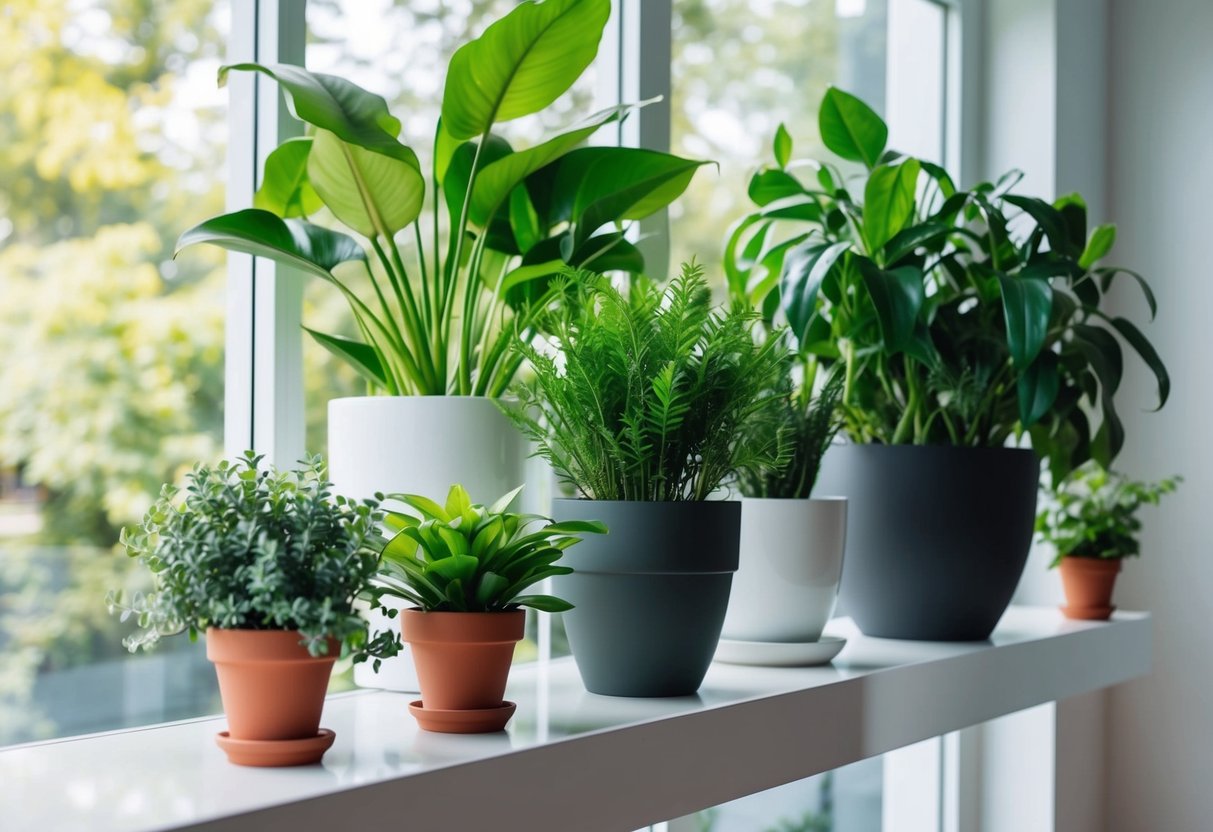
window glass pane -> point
(915, 84)
(112, 136)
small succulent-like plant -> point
(248, 547)
(1093, 513)
(464, 557)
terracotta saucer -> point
(1088, 613)
(480, 721)
(273, 753)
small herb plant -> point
(657, 396)
(251, 548)
(807, 425)
(463, 557)
(1093, 513)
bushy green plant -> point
(806, 426)
(1093, 513)
(958, 317)
(655, 394)
(258, 549)
(440, 319)
(463, 557)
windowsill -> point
(610, 763)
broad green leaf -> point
(401, 547)
(425, 505)
(804, 269)
(292, 242)
(1027, 304)
(851, 129)
(334, 104)
(459, 169)
(897, 296)
(1106, 276)
(358, 355)
(371, 193)
(485, 541)
(489, 588)
(1142, 346)
(454, 568)
(888, 202)
(396, 520)
(505, 500)
(1101, 242)
(521, 64)
(1037, 389)
(1110, 437)
(525, 274)
(543, 603)
(1049, 219)
(629, 186)
(285, 189)
(771, 184)
(457, 501)
(1102, 351)
(524, 221)
(929, 235)
(576, 527)
(495, 181)
(782, 146)
(792, 208)
(445, 146)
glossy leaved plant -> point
(465, 557)
(437, 308)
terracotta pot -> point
(272, 689)
(463, 658)
(1088, 583)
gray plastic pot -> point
(649, 597)
(937, 536)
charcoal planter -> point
(937, 536)
(649, 597)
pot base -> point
(780, 653)
(275, 753)
(1087, 613)
(478, 721)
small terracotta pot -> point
(463, 658)
(1088, 584)
(272, 689)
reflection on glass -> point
(112, 136)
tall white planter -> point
(791, 564)
(419, 445)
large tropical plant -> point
(440, 319)
(958, 317)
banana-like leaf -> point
(495, 181)
(308, 247)
(521, 64)
(285, 189)
(851, 129)
(897, 296)
(335, 104)
(358, 355)
(888, 202)
(1027, 304)
(629, 186)
(372, 193)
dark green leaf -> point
(888, 202)
(1037, 388)
(804, 269)
(897, 296)
(1027, 304)
(358, 355)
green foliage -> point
(1092, 513)
(256, 549)
(443, 323)
(957, 317)
(659, 396)
(806, 427)
(463, 557)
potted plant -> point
(463, 568)
(963, 321)
(1090, 518)
(268, 565)
(439, 280)
(644, 413)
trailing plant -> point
(656, 395)
(439, 319)
(958, 317)
(1092, 513)
(807, 425)
(463, 557)
(246, 547)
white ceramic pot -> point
(791, 563)
(419, 445)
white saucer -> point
(780, 654)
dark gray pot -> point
(937, 536)
(651, 595)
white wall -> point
(1160, 729)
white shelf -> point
(572, 760)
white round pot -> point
(419, 445)
(791, 564)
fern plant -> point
(655, 393)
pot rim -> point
(828, 499)
(244, 644)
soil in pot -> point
(1088, 584)
(273, 694)
(463, 662)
